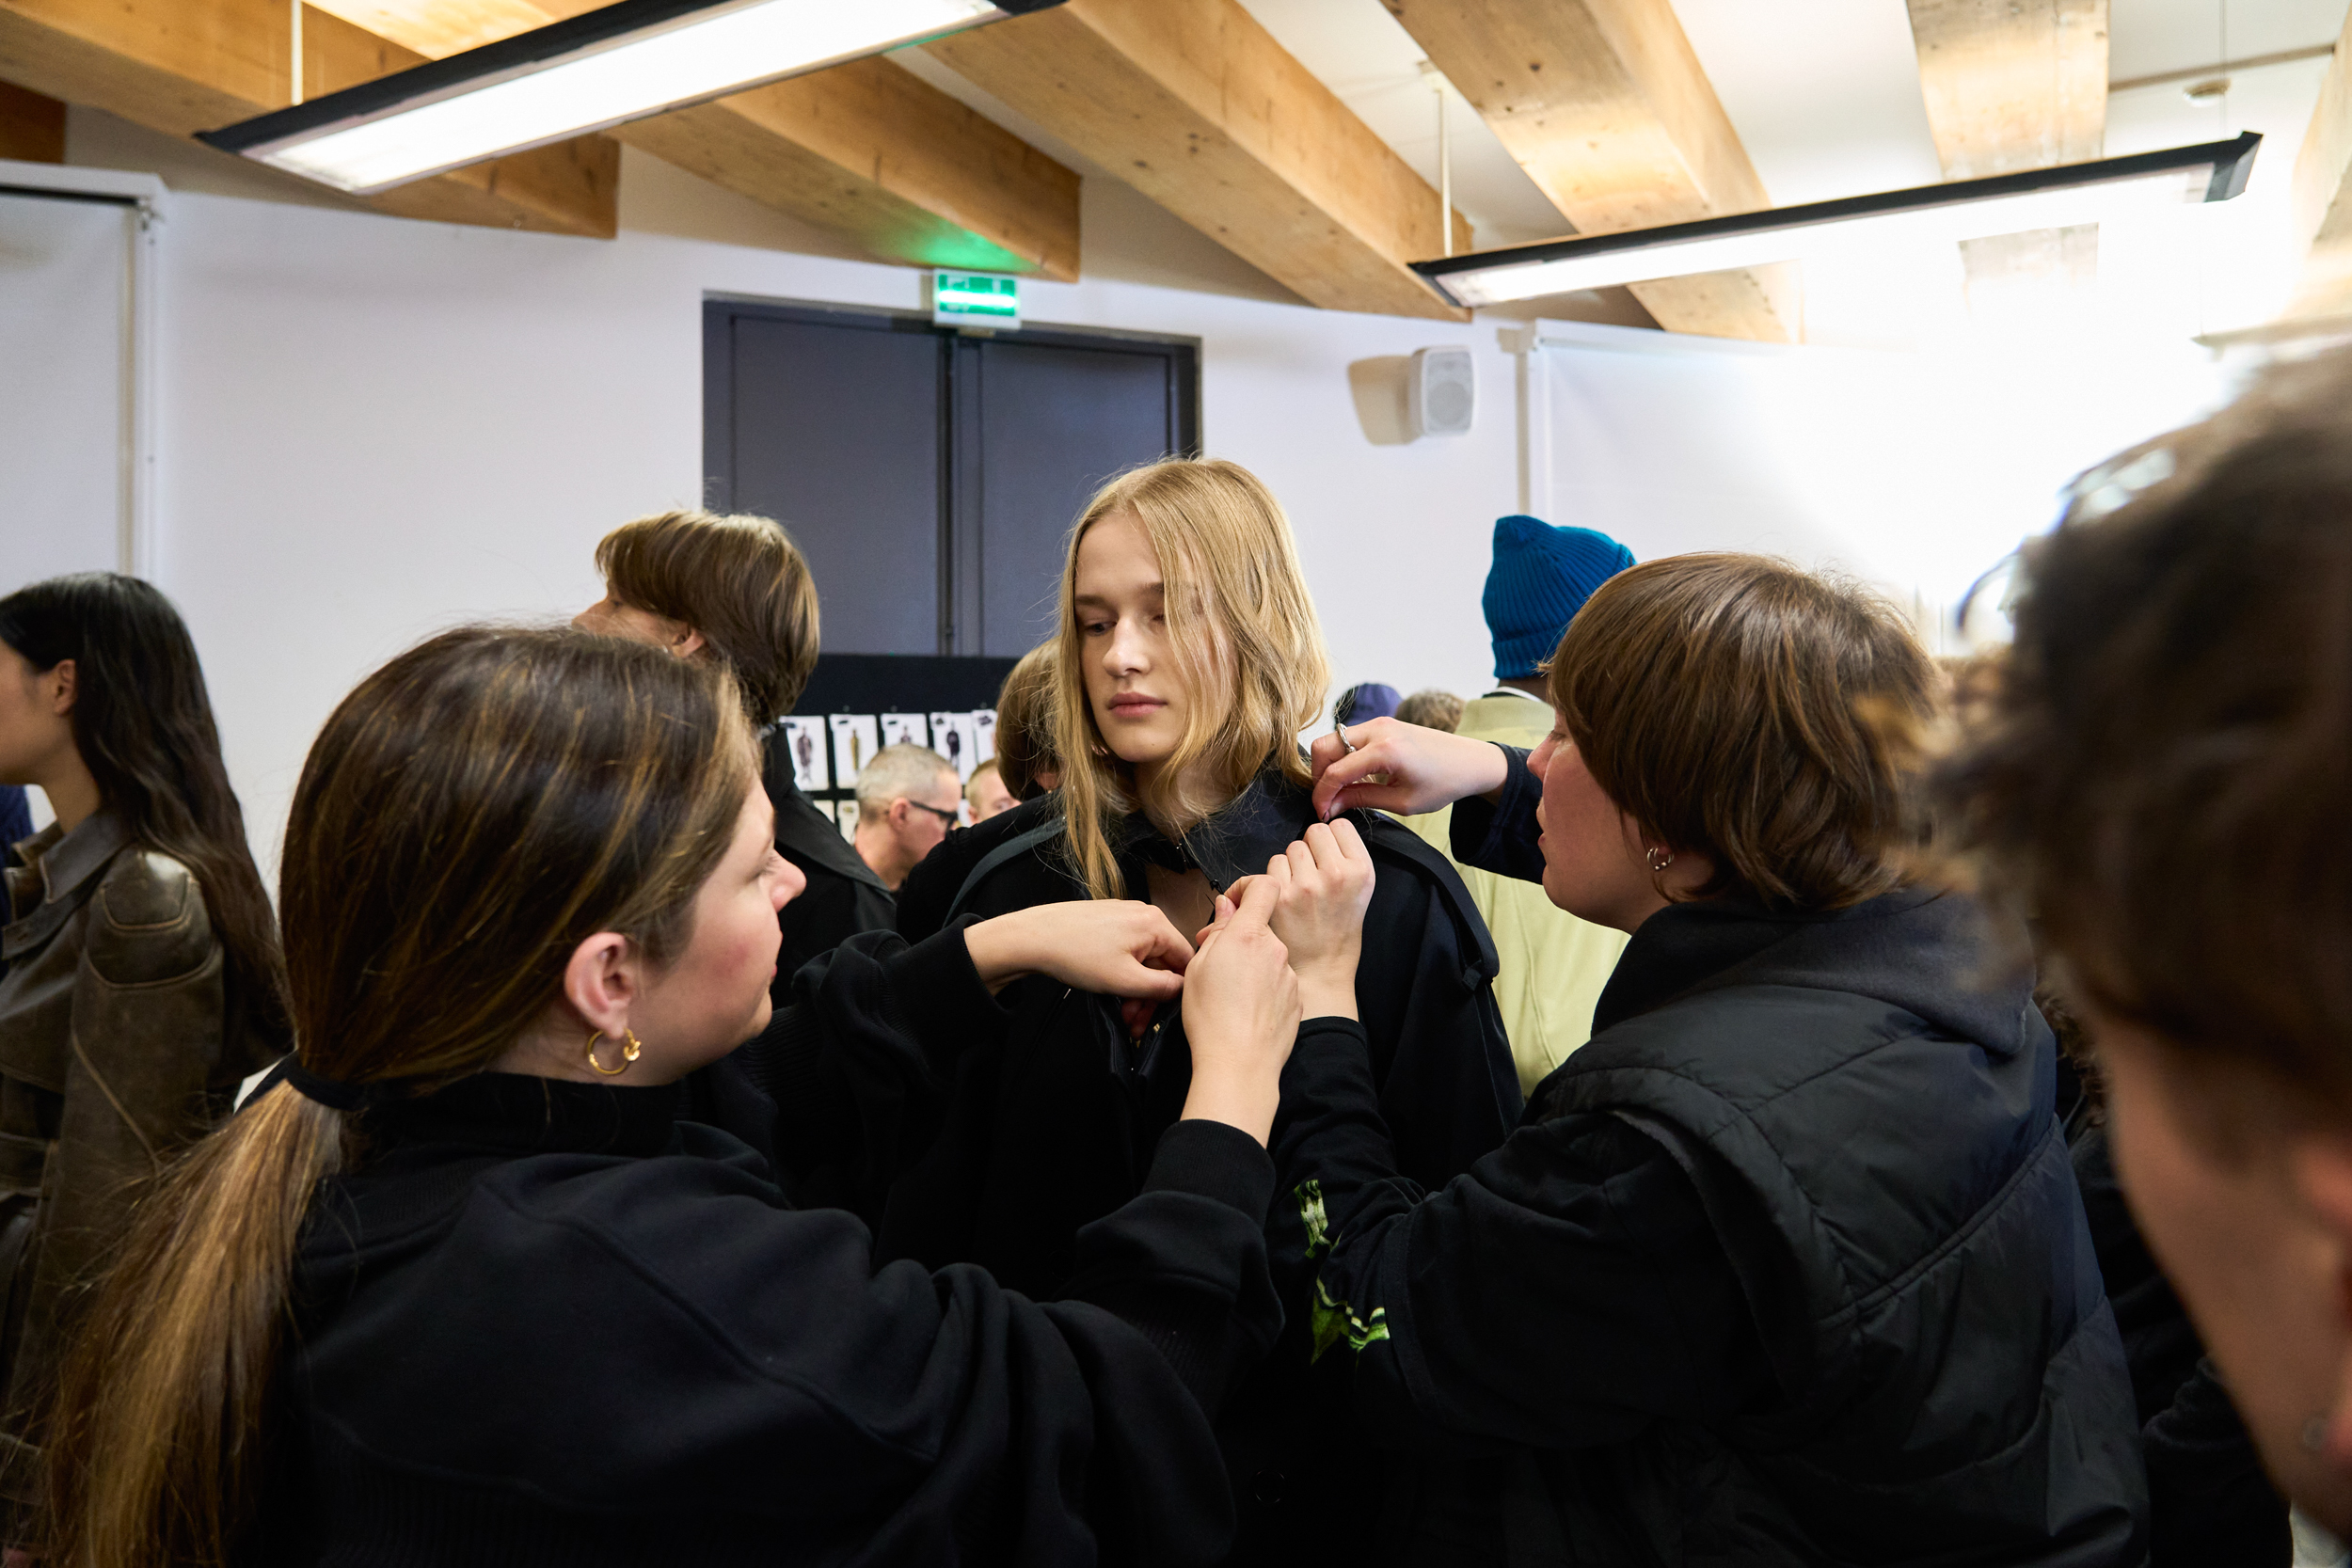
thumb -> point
(1258, 903)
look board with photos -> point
(830, 751)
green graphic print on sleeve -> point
(1332, 1321)
(1310, 1196)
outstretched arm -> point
(1401, 768)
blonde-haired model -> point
(1188, 661)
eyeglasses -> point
(953, 820)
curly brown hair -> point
(2159, 771)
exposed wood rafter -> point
(2322, 194)
(2014, 84)
(32, 126)
(865, 150)
(1606, 106)
(183, 66)
(1194, 104)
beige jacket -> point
(1553, 964)
(118, 1046)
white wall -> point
(371, 428)
(1916, 472)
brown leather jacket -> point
(118, 1046)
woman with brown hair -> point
(1787, 1265)
(736, 590)
(458, 1287)
(139, 973)
(1026, 759)
(1188, 660)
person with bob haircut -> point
(2157, 774)
(457, 1287)
(140, 970)
(1788, 1265)
(1024, 734)
(1187, 662)
(736, 591)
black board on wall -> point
(877, 683)
(902, 683)
(931, 476)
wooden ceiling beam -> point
(32, 126)
(1604, 104)
(1194, 104)
(2321, 195)
(185, 66)
(865, 150)
(2013, 84)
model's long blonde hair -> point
(1244, 641)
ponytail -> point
(468, 816)
(153, 1449)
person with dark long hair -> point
(460, 1287)
(142, 976)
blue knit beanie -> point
(1541, 577)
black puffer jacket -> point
(1786, 1266)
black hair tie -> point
(333, 1093)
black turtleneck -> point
(548, 1323)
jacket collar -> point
(803, 833)
(1232, 842)
(59, 870)
(519, 1114)
(1936, 955)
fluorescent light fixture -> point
(603, 67)
(1963, 210)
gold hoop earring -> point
(1658, 859)
(630, 1051)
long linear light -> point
(1964, 210)
(602, 68)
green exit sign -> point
(974, 299)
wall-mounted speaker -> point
(1440, 392)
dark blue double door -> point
(931, 477)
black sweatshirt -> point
(548, 1322)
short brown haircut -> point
(1432, 709)
(739, 580)
(1765, 717)
(2161, 769)
(1024, 723)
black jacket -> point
(1043, 1135)
(843, 898)
(2209, 1501)
(1786, 1266)
(545, 1322)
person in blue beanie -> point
(1553, 964)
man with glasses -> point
(907, 799)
